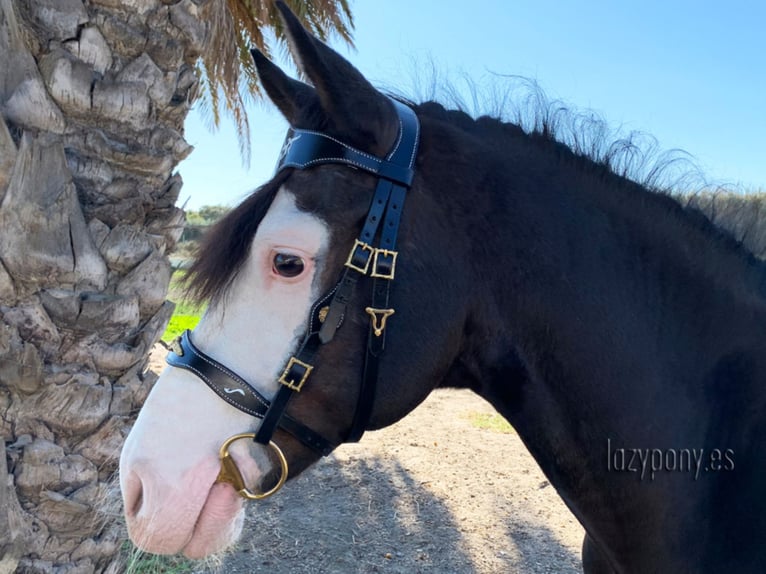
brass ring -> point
(230, 473)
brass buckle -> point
(385, 253)
(350, 261)
(292, 384)
(379, 317)
(230, 474)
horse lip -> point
(222, 505)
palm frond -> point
(227, 74)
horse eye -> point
(288, 265)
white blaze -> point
(169, 461)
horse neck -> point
(601, 304)
(601, 279)
(576, 263)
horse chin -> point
(219, 524)
(220, 521)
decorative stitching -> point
(226, 398)
(335, 159)
(348, 147)
(231, 374)
(398, 140)
(377, 162)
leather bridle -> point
(373, 253)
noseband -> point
(373, 253)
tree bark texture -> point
(93, 95)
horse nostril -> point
(134, 495)
(136, 506)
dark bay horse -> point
(401, 248)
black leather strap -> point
(305, 148)
(376, 211)
(383, 273)
(237, 392)
(360, 257)
(293, 373)
(405, 149)
(393, 215)
(344, 290)
(273, 415)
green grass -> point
(151, 564)
(178, 324)
(186, 314)
(490, 422)
(137, 562)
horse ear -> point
(357, 111)
(290, 96)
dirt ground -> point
(431, 494)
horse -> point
(399, 248)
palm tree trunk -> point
(93, 95)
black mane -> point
(583, 139)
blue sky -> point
(690, 73)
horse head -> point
(270, 271)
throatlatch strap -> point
(383, 273)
